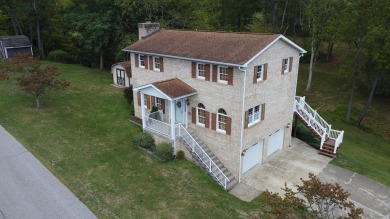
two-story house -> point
(228, 97)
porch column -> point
(143, 109)
(173, 118)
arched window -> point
(221, 121)
(201, 114)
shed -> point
(121, 74)
(10, 46)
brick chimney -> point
(147, 28)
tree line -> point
(95, 31)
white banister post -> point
(172, 117)
(210, 163)
(143, 109)
(330, 127)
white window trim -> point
(286, 65)
(197, 117)
(262, 73)
(154, 63)
(197, 71)
(253, 122)
(219, 74)
(139, 60)
(220, 130)
(145, 102)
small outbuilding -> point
(10, 46)
(121, 74)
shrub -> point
(305, 135)
(128, 94)
(164, 151)
(180, 155)
(60, 56)
(132, 108)
(144, 140)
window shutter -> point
(265, 71)
(139, 98)
(146, 58)
(207, 72)
(246, 120)
(255, 74)
(207, 119)
(228, 125)
(152, 101)
(230, 75)
(163, 105)
(136, 60)
(193, 115)
(213, 121)
(290, 64)
(161, 64)
(151, 63)
(193, 69)
(215, 73)
(262, 111)
(282, 66)
(147, 101)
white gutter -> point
(184, 58)
(242, 123)
(296, 86)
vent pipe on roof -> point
(147, 28)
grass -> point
(83, 135)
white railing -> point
(198, 150)
(314, 120)
(157, 126)
(158, 115)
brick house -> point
(227, 98)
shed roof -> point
(15, 41)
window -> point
(201, 71)
(254, 115)
(222, 74)
(146, 98)
(221, 121)
(260, 73)
(141, 61)
(201, 115)
(286, 63)
(158, 103)
(156, 63)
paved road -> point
(29, 190)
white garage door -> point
(252, 156)
(275, 141)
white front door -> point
(179, 111)
(275, 141)
(253, 156)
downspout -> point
(242, 122)
(296, 86)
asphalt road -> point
(29, 190)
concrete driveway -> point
(295, 162)
(29, 190)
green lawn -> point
(83, 135)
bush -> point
(132, 108)
(305, 135)
(180, 155)
(128, 94)
(144, 140)
(164, 151)
(60, 56)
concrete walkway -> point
(29, 190)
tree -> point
(321, 199)
(31, 77)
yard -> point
(83, 135)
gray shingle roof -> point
(15, 41)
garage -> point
(253, 156)
(275, 141)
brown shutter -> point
(262, 111)
(163, 105)
(151, 63)
(230, 75)
(136, 60)
(246, 120)
(139, 98)
(207, 72)
(161, 64)
(265, 71)
(213, 121)
(215, 73)
(193, 115)
(207, 119)
(228, 125)
(255, 74)
(282, 66)
(147, 101)
(152, 101)
(290, 64)
(193, 69)
(146, 58)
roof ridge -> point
(211, 31)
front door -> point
(179, 111)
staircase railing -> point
(202, 155)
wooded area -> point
(93, 32)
